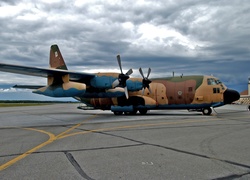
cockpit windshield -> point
(212, 81)
(218, 81)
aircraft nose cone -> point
(231, 96)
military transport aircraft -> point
(121, 94)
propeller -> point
(145, 81)
(122, 78)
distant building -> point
(245, 95)
(249, 86)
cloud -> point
(189, 37)
(8, 90)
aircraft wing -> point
(45, 72)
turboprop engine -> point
(67, 89)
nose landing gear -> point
(206, 111)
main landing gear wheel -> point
(207, 111)
(143, 111)
(118, 113)
(131, 113)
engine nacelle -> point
(68, 89)
(105, 81)
(102, 82)
(134, 85)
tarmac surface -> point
(62, 142)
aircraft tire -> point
(118, 113)
(207, 111)
(143, 111)
(131, 113)
(127, 113)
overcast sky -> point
(189, 37)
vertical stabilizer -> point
(56, 60)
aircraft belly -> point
(182, 106)
(103, 94)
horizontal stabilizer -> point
(27, 86)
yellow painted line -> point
(64, 134)
(51, 139)
(137, 126)
(72, 128)
(18, 158)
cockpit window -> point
(218, 81)
(211, 81)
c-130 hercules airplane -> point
(121, 94)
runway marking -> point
(52, 138)
(64, 134)
(18, 158)
(136, 126)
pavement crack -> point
(179, 150)
(76, 150)
(77, 166)
(233, 176)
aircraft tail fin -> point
(56, 60)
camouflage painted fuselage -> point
(187, 92)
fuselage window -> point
(216, 90)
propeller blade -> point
(142, 92)
(140, 70)
(119, 62)
(149, 71)
(126, 91)
(149, 89)
(122, 78)
(129, 72)
(115, 83)
(145, 81)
